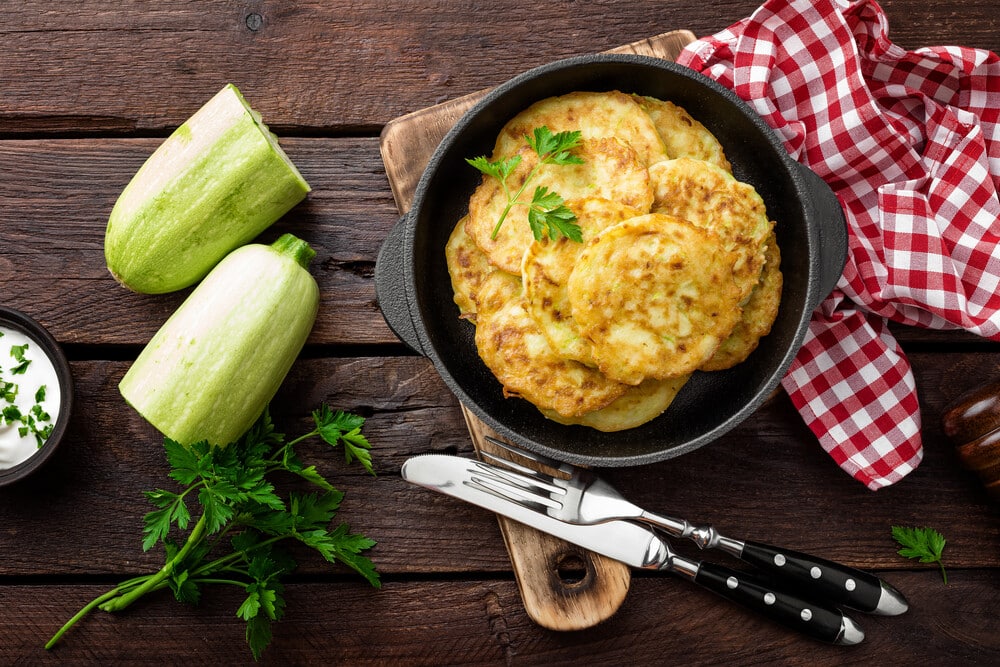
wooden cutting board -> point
(563, 587)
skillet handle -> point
(390, 286)
(824, 211)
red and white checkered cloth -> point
(910, 143)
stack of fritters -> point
(679, 270)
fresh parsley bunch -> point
(547, 211)
(240, 506)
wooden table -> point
(88, 90)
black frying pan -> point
(415, 295)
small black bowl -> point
(414, 289)
(15, 319)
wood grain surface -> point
(89, 89)
(336, 67)
(481, 622)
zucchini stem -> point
(294, 247)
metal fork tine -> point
(531, 456)
(484, 485)
(524, 470)
(517, 487)
(527, 483)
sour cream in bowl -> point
(36, 395)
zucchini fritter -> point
(711, 198)
(595, 115)
(546, 269)
(682, 135)
(640, 404)
(517, 352)
(468, 268)
(655, 296)
(759, 314)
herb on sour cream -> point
(29, 397)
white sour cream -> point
(38, 373)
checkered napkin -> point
(910, 143)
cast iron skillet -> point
(415, 295)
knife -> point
(637, 546)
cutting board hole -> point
(572, 570)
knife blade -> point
(636, 545)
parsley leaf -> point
(258, 634)
(500, 170)
(8, 391)
(925, 544)
(555, 148)
(345, 547)
(17, 351)
(185, 464)
(547, 213)
(12, 413)
(184, 589)
(238, 501)
(345, 429)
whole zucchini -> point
(214, 365)
(216, 183)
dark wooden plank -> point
(338, 67)
(765, 480)
(482, 622)
(910, 337)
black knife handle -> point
(823, 579)
(814, 620)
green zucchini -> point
(214, 365)
(216, 183)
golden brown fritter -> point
(711, 198)
(595, 115)
(517, 352)
(468, 268)
(640, 404)
(655, 296)
(682, 135)
(759, 314)
(546, 269)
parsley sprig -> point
(547, 211)
(240, 505)
(17, 351)
(925, 544)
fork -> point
(584, 498)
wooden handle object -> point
(972, 423)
